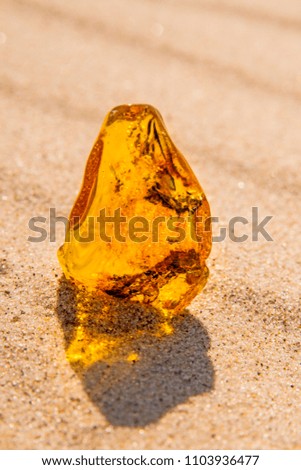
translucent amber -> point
(140, 228)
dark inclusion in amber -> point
(154, 248)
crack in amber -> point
(135, 167)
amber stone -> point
(140, 229)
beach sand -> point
(225, 75)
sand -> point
(225, 75)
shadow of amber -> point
(135, 363)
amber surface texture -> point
(139, 232)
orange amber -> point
(140, 228)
